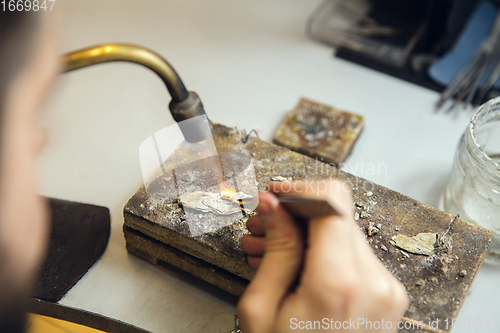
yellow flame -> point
(226, 192)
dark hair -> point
(13, 299)
(17, 33)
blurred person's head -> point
(28, 65)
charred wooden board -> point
(437, 284)
(320, 131)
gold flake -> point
(422, 243)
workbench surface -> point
(250, 62)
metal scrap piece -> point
(280, 179)
(422, 243)
(372, 229)
(223, 204)
(235, 197)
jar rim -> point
(485, 161)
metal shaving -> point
(362, 211)
(372, 229)
(280, 179)
(235, 197)
(422, 243)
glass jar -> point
(474, 187)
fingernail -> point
(264, 208)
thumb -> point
(278, 270)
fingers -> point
(279, 267)
(326, 235)
(380, 296)
(322, 189)
(341, 274)
(389, 297)
(336, 247)
(330, 238)
(254, 262)
(254, 225)
(399, 300)
(253, 246)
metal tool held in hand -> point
(307, 207)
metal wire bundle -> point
(468, 86)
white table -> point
(250, 62)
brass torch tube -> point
(129, 53)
